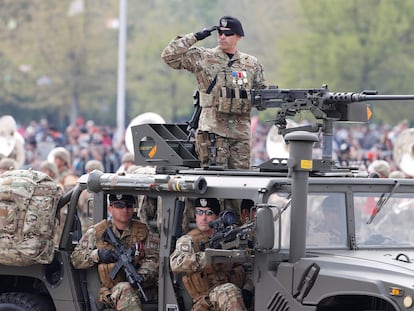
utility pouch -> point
(206, 100)
(234, 101)
(202, 146)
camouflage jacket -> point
(187, 257)
(226, 110)
(85, 254)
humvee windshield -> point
(370, 220)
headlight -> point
(408, 301)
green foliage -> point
(63, 65)
(355, 45)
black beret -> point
(211, 203)
(121, 197)
(232, 23)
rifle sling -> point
(213, 83)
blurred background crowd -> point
(85, 146)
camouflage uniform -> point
(118, 293)
(226, 110)
(216, 287)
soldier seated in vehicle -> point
(94, 248)
(212, 287)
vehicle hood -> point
(370, 272)
(378, 259)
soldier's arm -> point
(179, 53)
(149, 269)
(259, 78)
(149, 266)
(85, 254)
(184, 259)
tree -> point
(63, 54)
(354, 45)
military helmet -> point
(62, 153)
(128, 157)
(49, 166)
(94, 165)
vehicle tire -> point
(23, 302)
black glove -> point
(107, 256)
(204, 33)
(247, 297)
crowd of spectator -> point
(85, 141)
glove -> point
(107, 256)
(247, 297)
(204, 33)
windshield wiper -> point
(382, 201)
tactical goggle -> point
(226, 32)
(208, 212)
(122, 204)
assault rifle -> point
(232, 237)
(323, 104)
(125, 261)
(226, 235)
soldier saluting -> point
(224, 77)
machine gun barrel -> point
(389, 97)
(361, 97)
(98, 181)
(273, 97)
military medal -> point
(239, 75)
(245, 81)
(234, 75)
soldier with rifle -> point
(221, 286)
(120, 248)
(222, 106)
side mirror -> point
(265, 232)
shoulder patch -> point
(185, 244)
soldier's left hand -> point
(107, 256)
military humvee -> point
(324, 238)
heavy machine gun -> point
(323, 104)
(125, 261)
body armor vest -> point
(199, 284)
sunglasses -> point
(227, 33)
(208, 212)
(122, 204)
